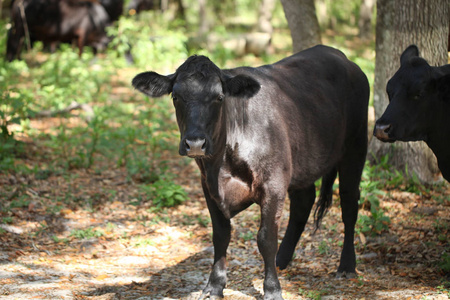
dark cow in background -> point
(52, 21)
(419, 107)
(137, 6)
(256, 133)
(114, 8)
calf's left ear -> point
(242, 86)
(153, 84)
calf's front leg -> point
(271, 210)
(221, 238)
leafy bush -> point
(86, 233)
(152, 45)
(444, 265)
(370, 194)
(14, 107)
(65, 78)
(165, 193)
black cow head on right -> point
(415, 94)
(199, 90)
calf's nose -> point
(381, 131)
(195, 148)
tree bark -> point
(401, 23)
(365, 19)
(203, 18)
(265, 16)
(181, 13)
(302, 21)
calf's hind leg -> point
(350, 170)
(302, 200)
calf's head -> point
(199, 91)
(414, 92)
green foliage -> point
(14, 107)
(144, 242)
(374, 224)
(154, 46)
(444, 288)
(204, 221)
(340, 12)
(324, 247)
(7, 220)
(371, 192)
(165, 193)
(59, 240)
(247, 236)
(375, 180)
(21, 202)
(444, 264)
(65, 78)
(87, 233)
(62, 79)
(312, 294)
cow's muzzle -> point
(195, 148)
(381, 131)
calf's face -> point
(199, 92)
(198, 105)
(410, 91)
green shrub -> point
(165, 193)
(153, 46)
(444, 264)
(371, 191)
(86, 233)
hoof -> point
(204, 296)
(348, 275)
(273, 297)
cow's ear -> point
(153, 84)
(411, 51)
(241, 86)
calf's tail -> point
(325, 198)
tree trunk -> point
(203, 18)
(302, 21)
(322, 13)
(181, 13)
(265, 16)
(365, 19)
(399, 24)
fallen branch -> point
(74, 105)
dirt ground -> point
(143, 254)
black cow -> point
(137, 6)
(419, 107)
(256, 133)
(52, 21)
(114, 8)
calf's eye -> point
(220, 97)
(417, 96)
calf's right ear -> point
(153, 84)
(411, 51)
